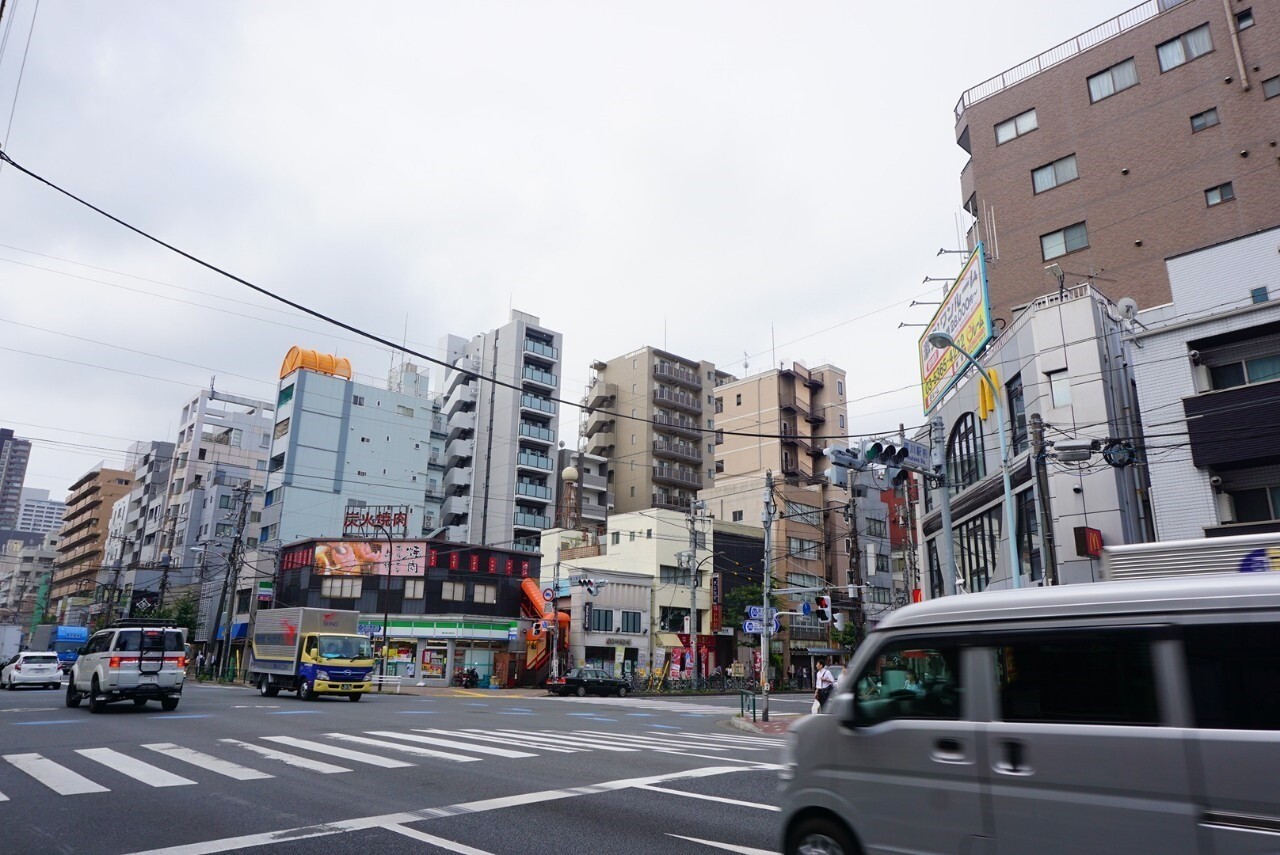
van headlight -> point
(788, 759)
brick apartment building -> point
(1150, 135)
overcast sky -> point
(770, 179)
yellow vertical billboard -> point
(965, 315)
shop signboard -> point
(619, 656)
(965, 315)
(376, 521)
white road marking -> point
(650, 741)
(449, 743)
(501, 740)
(292, 835)
(639, 704)
(407, 749)
(206, 761)
(741, 850)
(3, 797)
(288, 759)
(335, 751)
(705, 797)
(152, 776)
(60, 779)
(423, 837)
(558, 739)
(759, 740)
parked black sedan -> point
(588, 681)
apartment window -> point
(1256, 505)
(1186, 47)
(802, 513)
(615, 537)
(633, 489)
(1229, 661)
(804, 549)
(877, 527)
(415, 589)
(1063, 241)
(842, 421)
(341, 587)
(602, 620)
(1244, 20)
(648, 534)
(1218, 195)
(631, 622)
(402, 410)
(286, 395)
(485, 594)
(224, 501)
(673, 575)
(1207, 119)
(1052, 174)
(364, 439)
(1257, 370)
(277, 463)
(1060, 389)
(224, 530)
(737, 400)
(964, 453)
(840, 387)
(454, 591)
(1023, 123)
(1117, 78)
(358, 400)
(633, 439)
(736, 516)
(1260, 294)
(1017, 413)
(1271, 87)
(282, 427)
(632, 538)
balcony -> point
(602, 443)
(537, 375)
(672, 501)
(599, 422)
(679, 424)
(535, 461)
(679, 450)
(538, 404)
(522, 519)
(457, 533)
(533, 491)
(461, 423)
(677, 374)
(594, 482)
(672, 398)
(542, 349)
(458, 451)
(527, 544)
(458, 478)
(602, 395)
(678, 475)
(462, 396)
(816, 417)
(1220, 423)
(537, 432)
(466, 369)
(456, 507)
(433, 491)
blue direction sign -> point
(919, 457)
(755, 627)
(757, 612)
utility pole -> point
(692, 563)
(947, 555)
(766, 517)
(233, 569)
(855, 561)
(1048, 549)
(555, 617)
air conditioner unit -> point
(1226, 508)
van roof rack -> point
(124, 623)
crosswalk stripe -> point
(558, 739)
(152, 776)
(207, 761)
(407, 749)
(287, 758)
(760, 740)
(58, 778)
(652, 742)
(626, 742)
(502, 740)
(344, 753)
(449, 743)
(3, 797)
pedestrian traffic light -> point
(838, 620)
(536, 630)
(822, 608)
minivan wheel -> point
(97, 703)
(168, 704)
(820, 835)
(73, 697)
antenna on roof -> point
(746, 362)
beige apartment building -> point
(82, 540)
(651, 413)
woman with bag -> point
(824, 681)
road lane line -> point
(707, 798)
(152, 776)
(344, 753)
(58, 778)
(207, 761)
(423, 837)
(741, 850)
(288, 759)
(407, 749)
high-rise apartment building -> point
(592, 473)
(38, 513)
(1150, 135)
(82, 540)
(26, 560)
(501, 479)
(652, 414)
(14, 454)
(137, 558)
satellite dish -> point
(1128, 308)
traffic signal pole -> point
(938, 440)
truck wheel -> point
(73, 697)
(356, 696)
(97, 703)
(305, 692)
(168, 704)
(266, 689)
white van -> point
(1113, 717)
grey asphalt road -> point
(469, 772)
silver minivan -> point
(1111, 717)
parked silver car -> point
(1112, 717)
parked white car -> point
(31, 668)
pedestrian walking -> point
(824, 682)
(791, 673)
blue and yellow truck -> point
(310, 651)
(65, 641)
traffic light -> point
(536, 629)
(842, 460)
(883, 451)
(838, 620)
(592, 586)
(822, 608)
(896, 476)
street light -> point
(942, 340)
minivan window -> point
(1234, 671)
(910, 679)
(1078, 677)
(150, 640)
